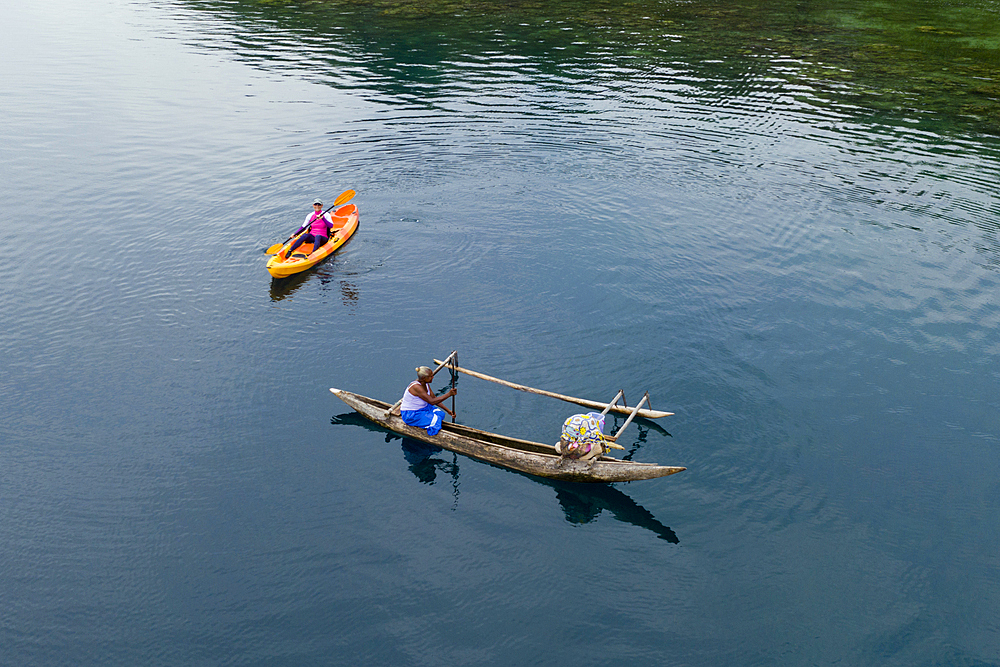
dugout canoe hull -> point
(533, 458)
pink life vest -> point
(319, 225)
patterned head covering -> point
(581, 434)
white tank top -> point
(411, 402)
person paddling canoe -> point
(420, 407)
(319, 225)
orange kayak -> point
(345, 221)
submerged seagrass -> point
(900, 62)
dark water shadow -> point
(642, 425)
(285, 287)
(425, 462)
(581, 503)
(282, 288)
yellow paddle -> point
(344, 197)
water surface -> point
(782, 224)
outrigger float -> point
(533, 458)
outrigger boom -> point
(612, 407)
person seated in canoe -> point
(319, 224)
(583, 437)
(420, 407)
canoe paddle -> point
(344, 197)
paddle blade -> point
(273, 249)
(344, 197)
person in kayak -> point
(319, 223)
(420, 407)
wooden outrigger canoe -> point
(533, 458)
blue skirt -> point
(428, 417)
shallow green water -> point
(910, 61)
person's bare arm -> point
(427, 394)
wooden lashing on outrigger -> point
(635, 411)
(610, 441)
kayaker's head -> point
(317, 204)
(424, 374)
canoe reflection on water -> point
(581, 503)
(423, 459)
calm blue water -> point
(811, 286)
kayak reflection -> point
(282, 288)
(285, 287)
(581, 503)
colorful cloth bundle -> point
(582, 436)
